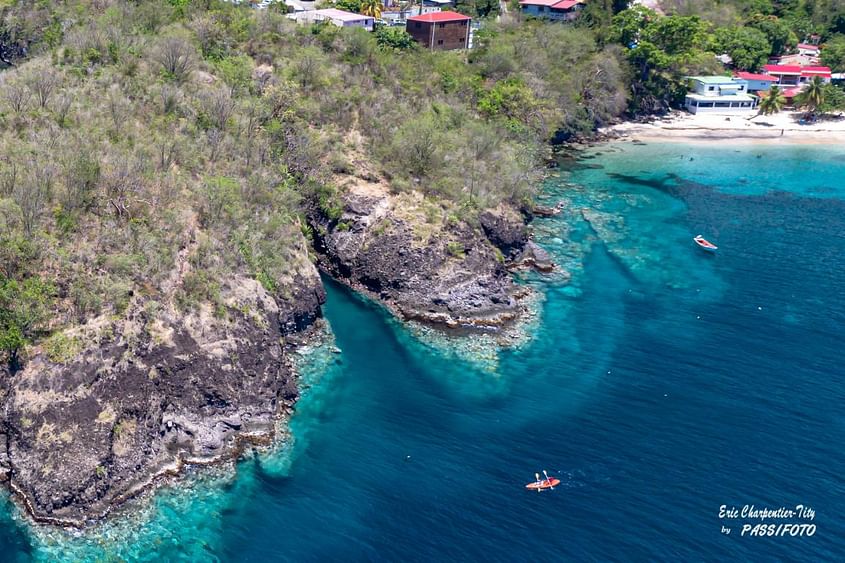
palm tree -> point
(813, 95)
(772, 103)
(372, 8)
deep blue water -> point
(660, 384)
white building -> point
(719, 94)
(339, 18)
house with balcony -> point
(796, 75)
(556, 10)
(719, 94)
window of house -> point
(464, 23)
(461, 39)
(711, 88)
(441, 25)
(440, 42)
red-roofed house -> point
(796, 75)
(440, 30)
(756, 82)
(561, 10)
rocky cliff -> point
(125, 401)
(424, 263)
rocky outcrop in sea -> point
(396, 249)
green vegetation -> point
(772, 102)
(394, 38)
(813, 95)
(147, 141)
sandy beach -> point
(782, 127)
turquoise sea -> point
(659, 384)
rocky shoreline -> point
(455, 276)
(141, 396)
(133, 399)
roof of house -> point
(808, 46)
(815, 71)
(782, 69)
(713, 79)
(754, 76)
(557, 4)
(566, 4)
(341, 15)
(439, 17)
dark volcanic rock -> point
(146, 394)
(452, 277)
(505, 230)
(533, 256)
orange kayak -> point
(543, 485)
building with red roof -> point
(796, 75)
(560, 10)
(440, 30)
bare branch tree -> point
(61, 107)
(81, 172)
(10, 172)
(176, 57)
(215, 139)
(218, 106)
(16, 95)
(170, 97)
(118, 108)
(42, 83)
(33, 193)
(123, 182)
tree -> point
(236, 72)
(372, 8)
(676, 35)
(772, 103)
(394, 38)
(42, 83)
(24, 308)
(349, 5)
(16, 94)
(813, 95)
(834, 99)
(176, 57)
(833, 53)
(748, 47)
(627, 25)
(477, 8)
(777, 31)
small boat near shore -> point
(543, 484)
(705, 244)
